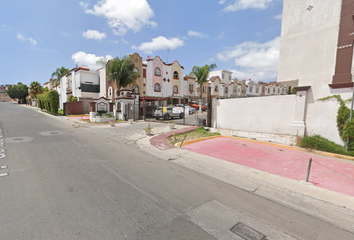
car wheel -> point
(166, 117)
(181, 115)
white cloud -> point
(27, 39)
(123, 15)
(66, 34)
(113, 41)
(4, 27)
(278, 16)
(94, 34)
(221, 2)
(245, 4)
(258, 61)
(221, 35)
(159, 43)
(88, 60)
(124, 41)
(192, 33)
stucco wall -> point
(309, 40)
(271, 115)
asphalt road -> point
(68, 183)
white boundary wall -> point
(264, 118)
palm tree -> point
(121, 71)
(102, 61)
(202, 74)
(35, 89)
(59, 72)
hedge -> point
(49, 101)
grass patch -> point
(61, 111)
(322, 144)
(195, 134)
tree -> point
(202, 74)
(19, 92)
(35, 89)
(59, 72)
(102, 61)
(121, 71)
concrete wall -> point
(266, 118)
(308, 54)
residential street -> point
(68, 182)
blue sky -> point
(36, 37)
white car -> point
(190, 109)
(170, 112)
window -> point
(257, 89)
(230, 78)
(136, 89)
(223, 75)
(204, 88)
(175, 75)
(251, 89)
(157, 71)
(216, 89)
(175, 89)
(119, 107)
(191, 87)
(144, 73)
(136, 70)
(157, 87)
(110, 92)
(226, 90)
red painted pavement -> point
(326, 172)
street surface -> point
(66, 182)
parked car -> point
(171, 112)
(196, 106)
(191, 110)
(188, 108)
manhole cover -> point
(51, 133)
(17, 139)
(247, 233)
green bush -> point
(319, 143)
(71, 98)
(49, 101)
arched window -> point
(175, 89)
(136, 89)
(175, 75)
(119, 107)
(157, 87)
(216, 88)
(157, 71)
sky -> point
(38, 36)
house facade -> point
(81, 82)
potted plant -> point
(112, 122)
(171, 124)
(148, 130)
